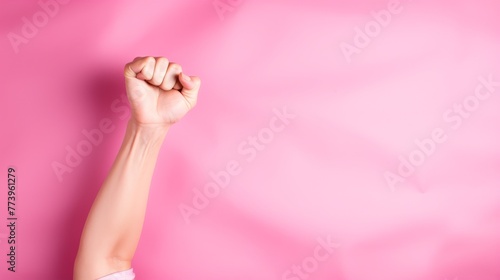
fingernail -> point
(186, 77)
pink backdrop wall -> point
(362, 136)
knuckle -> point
(149, 66)
(196, 80)
(149, 61)
(126, 67)
(175, 66)
(162, 60)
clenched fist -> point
(158, 91)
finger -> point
(190, 87)
(170, 79)
(140, 68)
(160, 71)
(127, 70)
(178, 85)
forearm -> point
(160, 94)
(115, 221)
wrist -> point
(148, 132)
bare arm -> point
(159, 96)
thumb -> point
(190, 88)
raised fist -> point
(158, 91)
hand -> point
(158, 91)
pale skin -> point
(160, 94)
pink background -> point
(321, 177)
